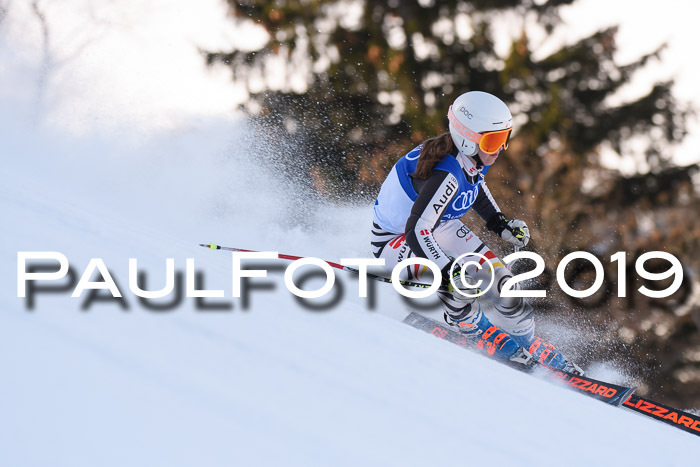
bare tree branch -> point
(4, 7)
(46, 62)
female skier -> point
(417, 213)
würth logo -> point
(425, 232)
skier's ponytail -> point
(432, 151)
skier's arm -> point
(513, 231)
(489, 211)
(433, 198)
(485, 205)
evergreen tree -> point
(377, 77)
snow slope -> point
(276, 384)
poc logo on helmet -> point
(466, 112)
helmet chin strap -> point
(475, 156)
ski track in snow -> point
(272, 385)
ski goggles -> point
(489, 142)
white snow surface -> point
(275, 384)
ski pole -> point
(213, 246)
(516, 249)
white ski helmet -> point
(478, 118)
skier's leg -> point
(512, 314)
(393, 249)
(515, 315)
(468, 317)
(473, 324)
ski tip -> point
(210, 245)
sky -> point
(133, 66)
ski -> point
(610, 393)
(684, 420)
(613, 394)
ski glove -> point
(514, 231)
(462, 291)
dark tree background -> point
(365, 81)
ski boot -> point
(547, 354)
(497, 343)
